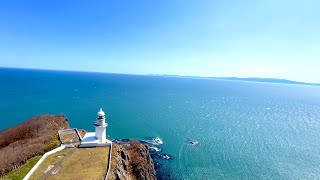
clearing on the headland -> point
(74, 163)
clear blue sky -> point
(244, 38)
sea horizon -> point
(246, 79)
(243, 130)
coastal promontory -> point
(22, 146)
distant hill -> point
(266, 80)
(269, 80)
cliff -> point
(130, 161)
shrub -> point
(29, 139)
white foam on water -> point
(154, 148)
(157, 141)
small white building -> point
(97, 138)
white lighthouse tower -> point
(101, 127)
(97, 138)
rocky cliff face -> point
(130, 161)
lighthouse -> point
(101, 127)
(97, 138)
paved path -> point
(57, 166)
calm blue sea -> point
(245, 130)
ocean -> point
(211, 129)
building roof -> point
(101, 113)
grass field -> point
(50, 160)
(84, 163)
(23, 170)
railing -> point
(109, 162)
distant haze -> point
(211, 38)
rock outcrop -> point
(130, 161)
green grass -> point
(54, 143)
(50, 160)
(84, 163)
(23, 170)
